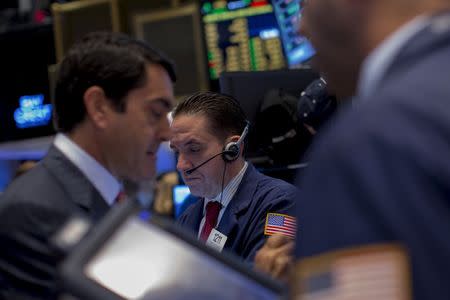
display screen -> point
(181, 196)
(253, 35)
(25, 106)
(297, 48)
(241, 36)
(142, 261)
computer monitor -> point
(182, 198)
(25, 108)
(241, 36)
(297, 48)
(129, 8)
(254, 35)
(176, 31)
(73, 20)
(126, 257)
(250, 89)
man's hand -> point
(275, 257)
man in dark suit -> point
(208, 130)
(112, 97)
(379, 173)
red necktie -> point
(212, 213)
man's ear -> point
(233, 138)
(97, 106)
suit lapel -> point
(229, 224)
(78, 188)
(195, 215)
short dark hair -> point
(113, 61)
(225, 115)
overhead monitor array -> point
(207, 37)
(252, 35)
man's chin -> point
(196, 192)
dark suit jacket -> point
(32, 209)
(381, 173)
(244, 218)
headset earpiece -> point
(232, 150)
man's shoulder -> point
(269, 189)
(23, 182)
(31, 185)
(412, 98)
(276, 184)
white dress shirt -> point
(228, 193)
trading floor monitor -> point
(253, 35)
(129, 8)
(297, 48)
(127, 257)
(72, 20)
(25, 108)
(176, 32)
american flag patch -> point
(279, 223)
(369, 273)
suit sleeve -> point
(280, 200)
(381, 175)
(366, 184)
(28, 263)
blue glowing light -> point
(180, 192)
(302, 53)
(32, 112)
(236, 5)
(269, 33)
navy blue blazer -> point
(381, 172)
(32, 209)
(244, 218)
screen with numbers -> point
(252, 35)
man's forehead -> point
(185, 136)
(190, 134)
(181, 140)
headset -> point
(231, 150)
(229, 153)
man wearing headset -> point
(208, 131)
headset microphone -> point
(229, 153)
(189, 171)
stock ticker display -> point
(252, 35)
(297, 47)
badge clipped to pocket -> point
(368, 272)
(216, 240)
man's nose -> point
(183, 164)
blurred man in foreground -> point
(377, 176)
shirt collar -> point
(376, 64)
(107, 185)
(229, 190)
